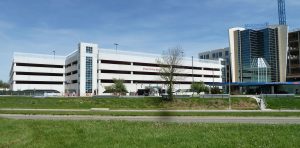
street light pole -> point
(53, 54)
(193, 68)
(116, 44)
(229, 89)
(193, 72)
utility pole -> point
(116, 44)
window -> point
(115, 72)
(214, 55)
(207, 56)
(112, 81)
(145, 64)
(201, 57)
(220, 54)
(39, 74)
(39, 65)
(89, 49)
(39, 82)
(115, 62)
(212, 69)
(68, 65)
(226, 53)
(227, 61)
(74, 72)
(74, 63)
(89, 75)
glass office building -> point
(267, 45)
(260, 70)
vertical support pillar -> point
(241, 90)
(272, 89)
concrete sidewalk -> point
(134, 110)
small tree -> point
(215, 90)
(199, 87)
(109, 89)
(168, 67)
(118, 88)
(4, 85)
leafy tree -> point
(215, 90)
(109, 89)
(168, 68)
(199, 87)
(118, 88)
(206, 89)
(4, 85)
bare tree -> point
(169, 63)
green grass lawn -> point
(49, 134)
(125, 103)
(283, 103)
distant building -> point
(259, 55)
(216, 54)
(89, 69)
(293, 71)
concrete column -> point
(272, 90)
(241, 90)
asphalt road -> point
(255, 120)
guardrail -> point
(277, 95)
(215, 96)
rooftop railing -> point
(151, 55)
(33, 55)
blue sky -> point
(41, 26)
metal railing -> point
(151, 55)
(33, 55)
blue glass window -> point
(89, 49)
(226, 53)
(89, 75)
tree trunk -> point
(170, 91)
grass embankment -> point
(125, 103)
(42, 133)
(283, 103)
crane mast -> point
(281, 12)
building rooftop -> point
(110, 51)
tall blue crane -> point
(281, 12)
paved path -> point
(141, 110)
(257, 120)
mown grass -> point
(125, 103)
(162, 113)
(49, 134)
(283, 103)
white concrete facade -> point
(89, 69)
(37, 71)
